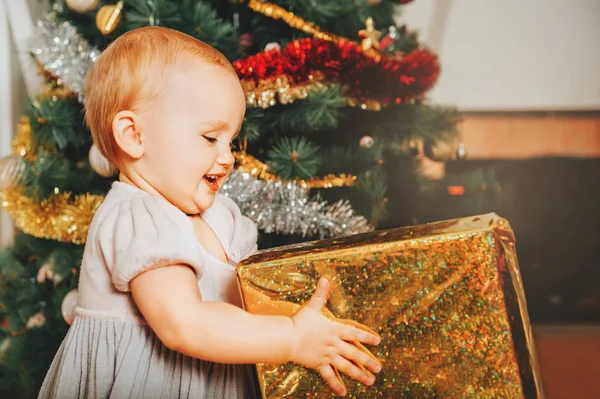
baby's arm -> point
(170, 301)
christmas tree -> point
(338, 139)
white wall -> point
(512, 54)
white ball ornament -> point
(37, 320)
(366, 142)
(100, 164)
(272, 46)
(69, 304)
(82, 6)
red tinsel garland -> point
(389, 80)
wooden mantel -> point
(518, 136)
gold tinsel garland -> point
(268, 92)
(260, 170)
(22, 144)
(54, 87)
(274, 11)
(58, 91)
(62, 217)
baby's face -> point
(188, 132)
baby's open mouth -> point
(211, 181)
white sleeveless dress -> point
(109, 351)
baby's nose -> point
(226, 158)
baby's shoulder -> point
(129, 210)
(134, 231)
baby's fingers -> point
(351, 333)
(332, 378)
(353, 371)
(358, 325)
(365, 350)
(361, 357)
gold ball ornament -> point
(68, 305)
(82, 6)
(12, 168)
(109, 17)
(100, 164)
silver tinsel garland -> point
(285, 208)
(275, 206)
(63, 52)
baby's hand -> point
(328, 346)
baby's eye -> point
(211, 140)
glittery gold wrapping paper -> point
(446, 297)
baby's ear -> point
(127, 134)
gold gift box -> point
(446, 297)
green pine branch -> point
(57, 123)
(294, 157)
(253, 124)
(151, 13)
(43, 176)
(202, 21)
(372, 184)
(26, 353)
(320, 111)
(400, 123)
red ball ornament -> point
(403, 1)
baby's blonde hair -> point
(129, 73)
